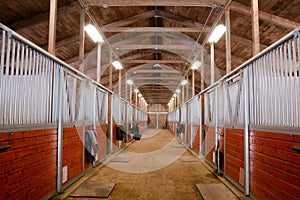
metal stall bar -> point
(60, 131)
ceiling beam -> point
(153, 61)
(153, 29)
(152, 46)
(43, 17)
(65, 42)
(245, 41)
(180, 20)
(283, 22)
(202, 3)
(130, 20)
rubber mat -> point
(94, 190)
(215, 191)
(188, 159)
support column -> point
(255, 27)
(99, 62)
(193, 83)
(130, 94)
(182, 93)
(110, 71)
(212, 63)
(52, 27)
(202, 70)
(246, 132)
(228, 41)
(120, 81)
(81, 40)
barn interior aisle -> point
(175, 180)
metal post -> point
(59, 132)
(201, 128)
(99, 46)
(246, 132)
(216, 127)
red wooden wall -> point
(275, 167)
(210, 138)
(235, 154)
(28, 168)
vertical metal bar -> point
(21, 82)
(294, 92)
(297, 74)
(246, 132)
(12, 82)
(94, 106)
(17, 88)
(6, 90)
(201, 127)
(217, 139)
(281, 103)
(59, 131)
(111, 124)
(1, 74)
(25, 100)
(290, 85)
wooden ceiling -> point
(142, 34)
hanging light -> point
(136, 90)
(184, 82)
(177, 91)
(196, 64)
(117, 64)
(140, 95)
(93, 33)
(217, 33)
(129, 82)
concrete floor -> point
(156, 167)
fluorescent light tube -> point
(117, 64)
(196, 64)
(217, 33)
(93, 33)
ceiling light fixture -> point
(129, 82)
(117, 64)
(93, 33)
(217, 33)
(177, 91)
(196, 64)
(184, 82)
(136, 90)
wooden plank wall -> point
(28, 169)
(235, 155)
(274, 166)
(210, 137)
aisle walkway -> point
(156, 167)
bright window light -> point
(184, 82)
(129, 82)
(217, 33)
(117, 64)
(196, 64)
(93, 33)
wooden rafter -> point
(42, 17)
(153, 29)
(130, 20)
(202, 3)
(283, 22)
(180, 20)
(153, 61)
